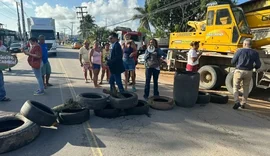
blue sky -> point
(64, 11)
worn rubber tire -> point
(108, 112)
(16, 134)
(73, 116)
(229, 83)
(161, 103)
(216, 74)
(38, 113)
(94, 101)
(130, 101)
(218, 98)
(141, 108)
(203, 98)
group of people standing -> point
(93, 59)
(245, 60)
(115, 59)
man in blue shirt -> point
(244, 60)
(46, 68)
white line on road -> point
(88, 130)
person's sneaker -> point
(39, 92)
(243, 106)
(134, 89)
(236, 105)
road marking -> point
(88, 130)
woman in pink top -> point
(95, 62)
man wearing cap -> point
(46, 68)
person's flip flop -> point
(5, 99)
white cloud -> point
(62, 15)
(114, 11)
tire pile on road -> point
(113, 106)
(205, 98)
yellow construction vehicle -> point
(220, 35)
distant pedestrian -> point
(35, 61)
(46, 68)
(105, 68)
(193, 57)
(152, 64)
(3, 97)
(95, 62)
(244, 60)
(115, 63)
(85, 60)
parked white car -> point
(141, 59)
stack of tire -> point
(22, 128)
(112, 107)
(205, 98)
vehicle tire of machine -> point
(161, 103)
(73, 116)
(229, 83)
(203, 98)
(141, 108)
(94, 101)
(108, 112)
(16, 131)
(213, 73)
(38, 113)
(130, 100)
(218, 98)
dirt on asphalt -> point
(257, 101)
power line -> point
(9, 8)
(163, 8)
(8, 16)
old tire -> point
(229, 84)
(141, 108)
(210, 77)
(73, 116)
(130, 100)
(38, 113)
(16, 131)
(218, 98)
(108, 112)
(203, 98)
(94, 101)
(161, 102)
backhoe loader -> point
(222, 32)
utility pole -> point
(23, 22)
(19, 21)
(72, 28)
(81, 12)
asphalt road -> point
(203, 130)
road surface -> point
(213, 129)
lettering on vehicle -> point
(215, 34)
(266, 18)
(10, 60)
(183, 34)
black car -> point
(15, 48)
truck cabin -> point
(230, 20)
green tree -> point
(87, 26)
(143, 16)
(176, 17)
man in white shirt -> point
(85, 60)
(3, 97)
